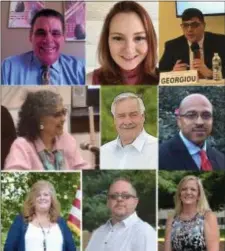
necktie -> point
(45, 75)
(205, 163)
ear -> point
(178, 122)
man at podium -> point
(195, 48)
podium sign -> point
(179, 77)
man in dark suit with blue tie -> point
(195, 49)
(189, 150)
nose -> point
(48, 36)
(127, 120)
(199, 120)
(129, 46)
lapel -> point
(184, 50)
(184, 160)
(208, 52)
(212, 157)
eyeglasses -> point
(60, 113)
(124, 196)
(194, 115)
(192, 25)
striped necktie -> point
(45, 75)
(205, 163)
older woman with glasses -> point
(40, 226)
(42, 144)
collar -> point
(37, 62)
(192, 148)
(138, 143)
(39, 145)
(200, 43)
(130, 220)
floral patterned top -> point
(188, 235)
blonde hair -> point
(29, 204)
(202, 204)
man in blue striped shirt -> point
(45, 64)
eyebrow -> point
(136, 33)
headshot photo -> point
(191, 211)
(39, 55)
(119, 210)
(193, 37)
(125, 51)
(129, 128)
(45, 131)
(191, 128)
(37, 211)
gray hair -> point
(127, 95)
(37, 104)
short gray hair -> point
(124, 96)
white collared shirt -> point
(131, 234)
(141, 154)
(191, 56)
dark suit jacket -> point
(178, 49)
(173, 155)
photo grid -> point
(112, 125)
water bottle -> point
(216, 67)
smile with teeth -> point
(129, 59)
(48, 49)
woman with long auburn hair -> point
(127, 49)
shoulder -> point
(144, 227)
(89, 78)
(18, 59)
(22, 142)
(216, 36)
(169, 221)
(70, 60)
(166, 145)
(175, 41)
(150, 139)
(209, 216)
(94, 77)
(109, 145)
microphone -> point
(196, 50)
(87, 146)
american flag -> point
(74, 218)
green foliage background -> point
(169, 100)
(149, 97)
(95, 188)
(213, 183)
(15, 186)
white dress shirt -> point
(131, 234)
(141, 154)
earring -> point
(41, 127)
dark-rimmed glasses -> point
(124, 196)
(195, 115)
(60, 113)
(192, 25)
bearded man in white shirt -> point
(133, 148)
(125, 231)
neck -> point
(47, 140)
(42, 216)
(189, 210)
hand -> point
(180, 66)
(199, 65)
